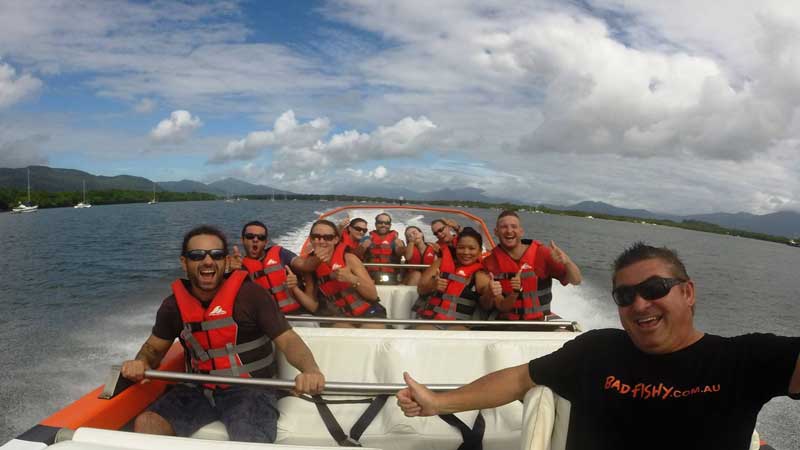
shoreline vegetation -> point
(11, 197)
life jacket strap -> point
(198, 352)
(238, 349)
(266, 271)
(278, 288)
(456, 278)
(286, 302)
(246, 368)
(211, 324)
(534, 295)
(504, 276)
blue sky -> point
(635, 103)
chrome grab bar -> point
(331, 387)
(539, 324)
(398, 266)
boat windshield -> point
(408, 215)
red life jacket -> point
(450, 305)
(348, 240)
(209, 335)
(341, 294)
(271, 275)
(528, 305)
(381, 250)
(426, 257)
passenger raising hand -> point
(497, 288)
(234, 260)
(441, 283)
(345, 275)
(516, 282)
(291, 279)
(557, 253)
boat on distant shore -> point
(153, 201)
(84, 203)
(26, 206)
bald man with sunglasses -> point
(659, 384)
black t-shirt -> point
(255, 312)
(706, 396)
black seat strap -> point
(473, 437)
(333, 425)
(369, 415)
(358, 428)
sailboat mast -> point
(29, 184)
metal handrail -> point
(397, 266)
(554, 324)
(331, 387)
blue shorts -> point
(249, 413)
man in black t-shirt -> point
(661, 383)
(227, 326)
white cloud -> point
(406, 138)
(176, 129)
(380, 172)
(286, 132)
(14, 88)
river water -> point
(80, 288)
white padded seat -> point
(97, 439)
(431, 356)
(398, 300)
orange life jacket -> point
(271, 275)
(528, 305)
(209, 335)
(450, 305)
(426, 257)
(381, 250)
(341, 294)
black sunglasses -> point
(383, 222)
(198, 254)
(438, 231)
(324, 237)
(650, 289)
(251, 236)
(363, 230)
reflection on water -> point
(80, 287)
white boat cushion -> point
(431, 356)
(398, 301)
(97, 439)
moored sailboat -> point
(84, 203)
(27, 206)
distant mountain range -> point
(783, 223)
(58, 180)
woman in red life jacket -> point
(455, 288)
(354, 232)
(417, 252)
(341, 279)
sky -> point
(679, 107)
